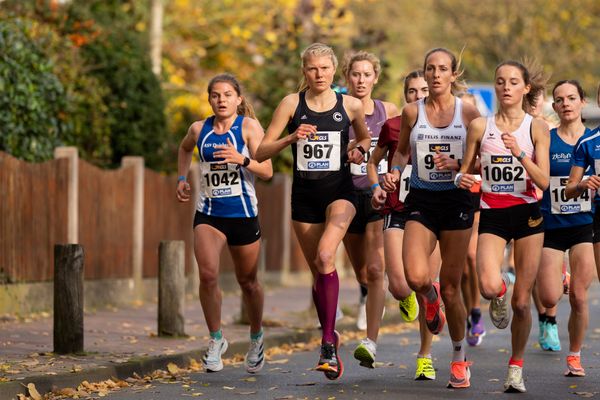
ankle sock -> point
(519, 363)
(475, 315)
(458, 351)
(218, 335)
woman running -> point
(364, 239)
(568, 226)
(392, 207)
(586, 155)
(226, 211)
(513, 148)
(318, 121)
(433, 133)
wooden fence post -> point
(72, 154)
(68, 298)
(171, 288)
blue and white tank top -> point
(226, 190)
(558, 211)
(426, 140)
(587, 154)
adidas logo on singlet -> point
(304, 117)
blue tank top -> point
(226, 190)
(587, 154)
(557, 210)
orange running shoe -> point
(460, 374)
(434, 315)
(574, 367)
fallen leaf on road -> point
(572, 386)
(273, 388)
(289, 396)
(584, 394)
(306, 384)
(251, 379)
(195, 365)
(35, 395)
(173, 369)
(280, 361)
(76, 368)
(247, 393)
(229, 387)
(493, 380)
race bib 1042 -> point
(221, 180)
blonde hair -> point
(361, 55)
(245, 108)
(532, 73)
(316, 50)
(459, 86)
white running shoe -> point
(514, 380)
(212, 358)
(365, 353)
(500, 307)
(255, 357)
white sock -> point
(458, 351)
(575, 353)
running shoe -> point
(212, 358)
(476, 333)
(361, 316)
(574, 367)
(365, 353)
(551, 340)
(329, 362)
(566, 280)
(255, 357)
(542, 334)
(425, 370)
(460, 374)
(514, 380)
(500, 309)
(434, 315)
(409, 307)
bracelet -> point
(246, 162)
(373, 186)
(361, 149)
(397, 167)
(457, 179)
(521, 156)
(181, 178)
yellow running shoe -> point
(425, 370)
(409, 307)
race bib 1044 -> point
(426, 166)
(319, 152)
(221, 180)
(560, 203)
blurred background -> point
(127, 77)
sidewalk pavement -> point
(119, 342)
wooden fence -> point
(69, 200)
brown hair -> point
(458, 86)
(361, 55)
(533, 75)
(245, 108)
(316, 50)
(417, 73)
(577, 85)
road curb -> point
(145, 365)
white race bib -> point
(360, 170)
(559, 202)
(319, 152)
(425, 152)
(502, 174)
(221, 180)
(404, 183)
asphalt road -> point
(393, 379)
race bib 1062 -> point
(502, 174)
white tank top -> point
(505, 182)
(425, 140)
